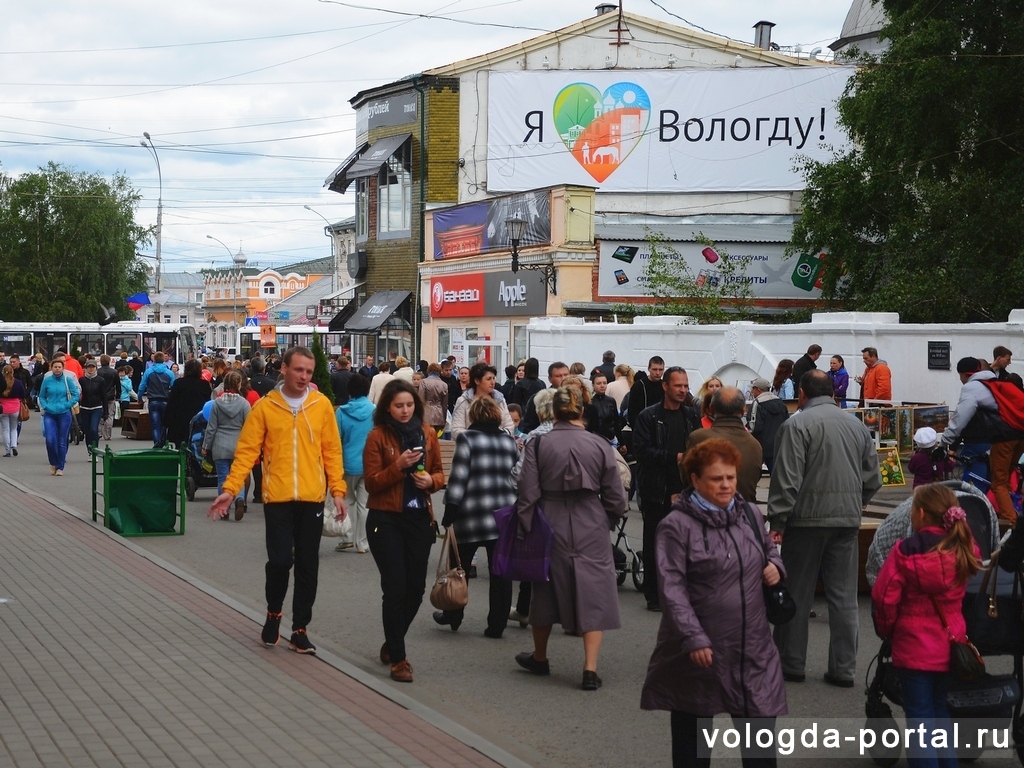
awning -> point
(375, 312)
(337, 323)
(364, 162)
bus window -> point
(188, 345)
(168, 344)
(17, 343)
(118, 342)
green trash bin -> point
(143, 491)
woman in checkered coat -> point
(479, 483)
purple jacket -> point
(711, 567)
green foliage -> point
(719, 297)
(322, 371)
(68, 244)
(924, 215)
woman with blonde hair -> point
(619, 388)
(402, 369)
(704, 395)
(572, 475)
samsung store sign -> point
(489, 294)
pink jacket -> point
(903, 607)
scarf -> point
(704, 504)
(410, 435)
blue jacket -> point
(155, 388)
(355, 420)
(53, 394)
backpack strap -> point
(752, 519)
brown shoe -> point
(239, 509)
(402, 672)
(385, 654)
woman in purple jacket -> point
(714, 651)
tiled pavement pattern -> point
(108, 659)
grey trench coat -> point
(579, 490)
(711, 565)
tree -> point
(923, 216)
(68, 245)
(707, 297)
(321, 371)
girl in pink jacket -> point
(923, 575)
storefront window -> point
(444, 342)
(362, 208)
(520, 344)
(394, 193)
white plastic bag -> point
(333, 528)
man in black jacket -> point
(807, 362)
(556, 374)
(767, 414)
(113, 393)
(259, 382)
(339, 380)
(659, 442)
(646, 390)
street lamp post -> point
(148, 144)
(238, 260)
(334, 258)
(515, 225)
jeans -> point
(653, 514)
(689, 752)
(9, 428)
(223, 467)
(355, 500)
(499, 594)
(924, 702)
(298, 525)
(89, 421)
(400, 544)
(56, 427)
(833, 552)
(157, 411)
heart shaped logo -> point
(601, 129)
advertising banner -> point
(623, 269)
(661, 130)
(466, 230)
(489, 294)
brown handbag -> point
(23, 411)
(451, 589)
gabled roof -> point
(323, 266)
(597, 26)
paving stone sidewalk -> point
(110, 659)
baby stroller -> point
(993, 701)
(629, 561)
(199, 470)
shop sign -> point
(457, 296)
(767, 271)
(466, 230)
(380, 113)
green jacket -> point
(826, 469)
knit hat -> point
(763, 384)
(926, 437)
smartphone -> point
(620, 277)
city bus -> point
(177, 342)
(334, 343)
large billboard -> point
(769, 275)
(472, 228)
(660, 130)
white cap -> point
(926, 437)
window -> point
(167, 318)
(183, 318)
(269, 289)
(150, 318)
(362, 208)
(394, 193)
(520, 344)
(199, 297)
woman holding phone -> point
(401, 468)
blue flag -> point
(138, 300)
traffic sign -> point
(252, 322)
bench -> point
(447, 452)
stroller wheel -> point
(638, 571)
(620, 576)
(190, 489)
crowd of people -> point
(578, 446)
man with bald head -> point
(727, 405)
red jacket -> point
(904, 611)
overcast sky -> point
(247, 102)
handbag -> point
(334, 528)
(451, 589)
(24, 413)
(993, 612)
(74, 408)
(523, 557)
(965, 663)
(779, 604)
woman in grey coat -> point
(480, 482)
(571, 474)
(714, 651)
(227, 416)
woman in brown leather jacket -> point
(401, 468)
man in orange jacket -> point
(876, 383)
(295, 429)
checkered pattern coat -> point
(480, 482)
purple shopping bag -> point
(522, 558)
